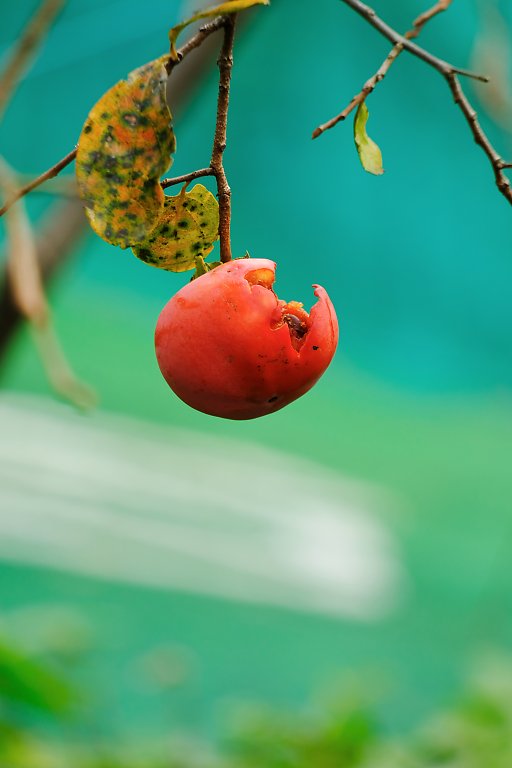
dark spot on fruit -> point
(273, 398)
(183, 224)
(315, 348)
(88, 128)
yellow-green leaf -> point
(369, 153)
(232, 6)
(187, 229)
(124, 148)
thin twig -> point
(384, 68)
(450, 74)
(25, 47)
(187, 177)
(225, 63)
(196, 40)
(49, 174)
(497, 162)
(443, 67)
(60, 186)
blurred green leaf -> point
(30, 682)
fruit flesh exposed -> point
(229, 347)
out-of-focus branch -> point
(27, 291)
(384, 68)
(21, 56)
(54, 240)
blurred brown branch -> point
(54, 240)
(28, 296)
(25, 47)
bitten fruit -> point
(227, 346)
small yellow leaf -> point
(124, 148)
(369, 153)
(232, 6)
(188, 227)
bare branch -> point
(381, 73)
(25, 47)
(497, 162)
(448, 71)
(187, 177)
(49, 174)
(60, 186)
(196, 40)
(443, 67)
(225, 63)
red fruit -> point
(228, 346)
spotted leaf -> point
(124, 148)
(188, 227)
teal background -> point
(418, 263)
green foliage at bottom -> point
(37, 699)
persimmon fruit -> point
(229, 347)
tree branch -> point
(25, 47)
(195, 41)
(443, 67)
(448, 71)
(187, 177)
(384, 68)
(225, 63)
(49, 174)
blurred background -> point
(327, 586)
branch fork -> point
(450, 73)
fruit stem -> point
(225, 64)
